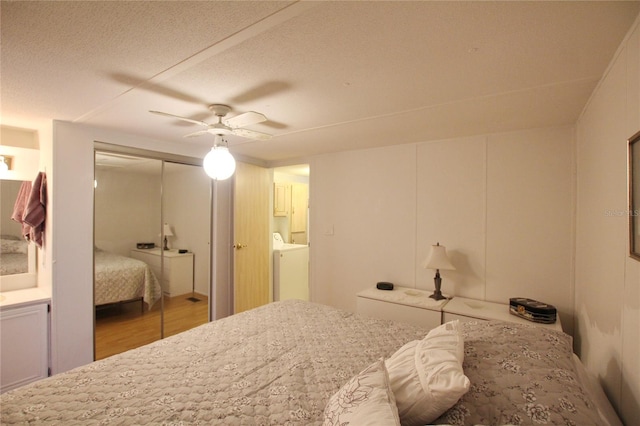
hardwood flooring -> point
(123, 327)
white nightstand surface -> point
(401, 304)
(405, 296)
(480, 309)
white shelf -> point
(28, 296)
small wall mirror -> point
(17, 256)
(634, 196)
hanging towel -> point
(35, 211)
(18, 208)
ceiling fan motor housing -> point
(219, 109)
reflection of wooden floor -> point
(123, 327)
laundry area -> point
(290, 270)
(290, 230)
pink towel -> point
(35, 210)
(18, 208)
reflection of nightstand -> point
(401, 304)
(178, 269)
(469, 310)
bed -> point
(301, 363)
(14, 255)
(123, 279)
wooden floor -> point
(123, 327)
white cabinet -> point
(465, 309)
(24, 343)
(281, 199)
(401, 304)
(177, 278)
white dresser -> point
(465, 309)
(24, 337)
(401, 304)
(177, 278)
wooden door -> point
(251, 237)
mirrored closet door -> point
(152, 258)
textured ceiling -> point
(329, 76)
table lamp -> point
(166, 230)
(437, 260)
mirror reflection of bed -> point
(145, 294)
(14, 248)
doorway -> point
(290, 225)
(152, 247)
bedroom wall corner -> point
(630, 384)
(607, 279)
(530, 206)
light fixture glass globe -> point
(219, 164)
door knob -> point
(239, 246)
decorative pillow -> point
(366, 399)
(426, 375)
(13, 246)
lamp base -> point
(166, 247)
(437, 294)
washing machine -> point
(290, 270)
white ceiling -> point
(329, 75)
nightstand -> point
(177, 278)
(401, 304)
(465, 310)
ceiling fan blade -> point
(245, 119)
(251, 134)
(198, 133)
(166, 114)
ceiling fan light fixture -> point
(219, 164)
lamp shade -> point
(219, 164)
(438, 258)
(166, 230)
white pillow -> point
(426, 375)
(366, 399)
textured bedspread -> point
(13, 256)
(275, 365)
(280, 363)
(119, 278)
(520, 374)
(14, 263)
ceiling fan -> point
(231, 126)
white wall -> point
(502, 204)
(187, 207)
(127, 209)
(607, 307)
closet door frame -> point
(164, 157)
